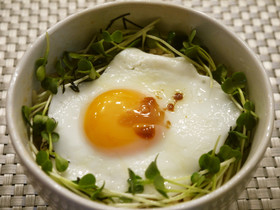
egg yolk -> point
(118, 118)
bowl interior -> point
(76, 31)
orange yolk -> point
(119, 118)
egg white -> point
(198, 119)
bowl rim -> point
(31, 165)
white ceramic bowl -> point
(75, 31)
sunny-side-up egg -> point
(142, 106)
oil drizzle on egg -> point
(177, 97)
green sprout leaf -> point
(40, 62)
(197, 179)
(60, 69)
(152, 173)
(159, 185)
(234, 139)
(87, 181)
(117, 36)
(192, 35)
(42, 158)
(84, 65)
(39, 124)
(47, 166)
(40, 119)
(226, 152)
(170, 37)
(212, 163)
(135, 184)
(192, 51)
(175, 39)
(41, 73)
(246, 119)
(152, 170)
(50, 125)
(67, 61)
(60, 163)
(249, 106)
(238, 134)
(55, 137)
(220, 73)
(98, 47)
(93, 74)
(238, 80)
(97, 194)
(50, 84)
(45, 135)
(106, 36)
(26, 111)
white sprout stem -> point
(117, 45)
(214, 182)
(217, 176)
(208, 57)
(242, 98)
(222, 171)
(216, 145)
(89, 45)
(149, 196)
(222, 164)
(101, 69)
(31, 144)
(68, 184)
(143, 40)
(177, 197)
(219, 182)
(47, 104)
(126, 205)
(38, 105)
(209, 74)
(78, 81)
(174, 50)
(75, 82)
(241, 149)
(164, 49)
(42, 94)
(176, 183)
(134, 197)
(188, 187)
(134, 37)
(85, 77)
(48, 47)
(182, 178)
(236, 103)
(50, 144)
(228, 174)
(36, 111)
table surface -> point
(257, 22)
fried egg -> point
(142, 106)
